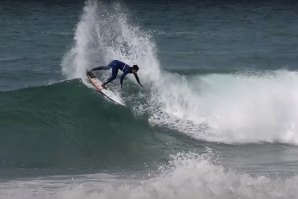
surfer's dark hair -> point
(135, 67)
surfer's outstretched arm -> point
(100, 68)
(137, 78)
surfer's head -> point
(135, 68)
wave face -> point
(76, 127)
(66, 125)
(60, 126)
(230, 108)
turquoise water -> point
(216, 117)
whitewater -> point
(187, 176)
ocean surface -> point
(217, 117)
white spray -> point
(104, 34)
(231, 108)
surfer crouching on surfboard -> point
(118, 65)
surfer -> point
(118, 65)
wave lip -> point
(230, 108)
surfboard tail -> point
(107, 92)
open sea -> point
(217, 117)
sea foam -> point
(186, 176)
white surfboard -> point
(107, 92)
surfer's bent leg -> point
(101, 68)
(114, 75)
(112, 64)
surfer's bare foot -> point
(103, 86)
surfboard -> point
(107, 92)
